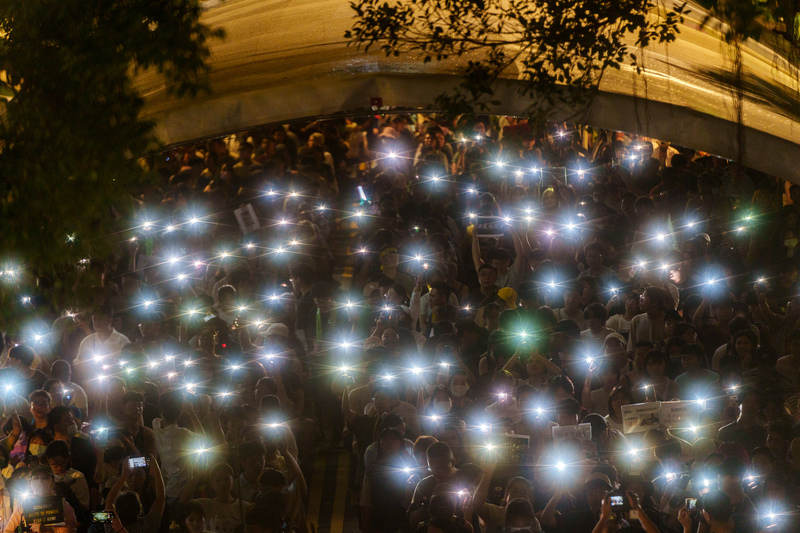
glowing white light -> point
(740, 228)
(435, 418)
(249, 245)
(322, 208)
(435, 178)
(518, 173)
(472, 215)
(282, 222)
(485, 427)
(170, 228)
(171, 375)
(148, 303)
(172, 260)
(146, 226)
(194, 220)
(444, 365)
(181, 277)
(344, 369)
(560, 465)
(416, 370)
(549, 232)
(388, 377)
(392, 155)
(407, 470)
(271, 193)
(693, 429)
(26, 299)
(507, 220)
(571, 226)
(293, 194)
(279, 250)
(691, 224)
(273, 297)
(198, 264)
(359, 214)
(192, 311)
(153, 364)
(664, 267)
(661, 236)
(418, 258)
(500, 163)
(224, 255)
(471, 190)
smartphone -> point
(103, 517)
(617, 501)
(138, 462)
(362, 195)
(691, 504)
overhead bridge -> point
(287, 59)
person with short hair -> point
(174, 442)
(18, 373)
(441, 464)
(75, 488)
(106, 342)
(696, 381)
(72, 392)
(143, 437)
(649, 325)
(223, 510)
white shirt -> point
(77, 397)
(173, 444)
(644, 329)
(77, 482)
(94, 345)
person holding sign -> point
(42, 510)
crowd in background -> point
(467, 305)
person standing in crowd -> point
(486, 346)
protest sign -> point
(652, 415)
(490, 226)
(47, 510)
(580, 432)
(247, 219)
(639, 417)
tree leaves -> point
(562, 46)
(73, 123)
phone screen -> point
(691, 504)
(617, 501)
(102, 517)
(137, 462)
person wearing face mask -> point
(463, 402)
(37, 443)
(61, 423)
(437, 411)
(69, 483)
(42, 486)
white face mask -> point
(459, 390)
(442, 406)
(72, 429)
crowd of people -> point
(511, 328)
